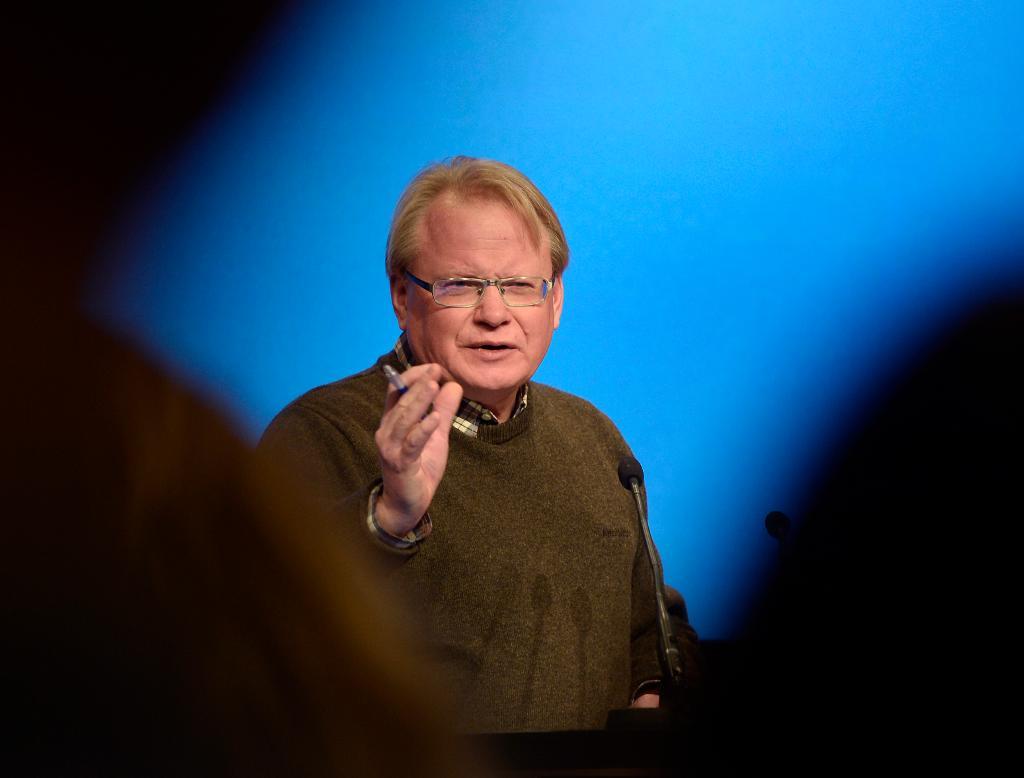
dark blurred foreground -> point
(887, 642)
(171, 605)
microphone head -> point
(777, 524)
(629, 468)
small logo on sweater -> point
(607, 532)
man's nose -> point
(491, 309)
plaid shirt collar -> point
(471, 414)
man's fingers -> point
(446, 403)
(409, 410)
(406, 426)
(418, 436)
(413, 406)
(411, 378)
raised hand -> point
(413, 446)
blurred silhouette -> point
(883, 640)
(171, 607)
(170, 604)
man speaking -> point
(493, 501)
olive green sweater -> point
(534, 595)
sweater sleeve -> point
(337, 464)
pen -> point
(395, 380)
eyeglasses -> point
(516, 291)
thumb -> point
(446, 403)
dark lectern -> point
(606, 753)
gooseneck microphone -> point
(631, 475)
(777, 523)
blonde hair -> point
(467, 178)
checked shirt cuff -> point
(416, 535)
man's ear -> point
(557, 297)
(400, 299)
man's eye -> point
(460, 284)
(519, 284)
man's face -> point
(491, 350)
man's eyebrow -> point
(460, 273)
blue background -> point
(769, 206)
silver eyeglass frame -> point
(498, 283)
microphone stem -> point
(668, 649)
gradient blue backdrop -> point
(769, 205)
